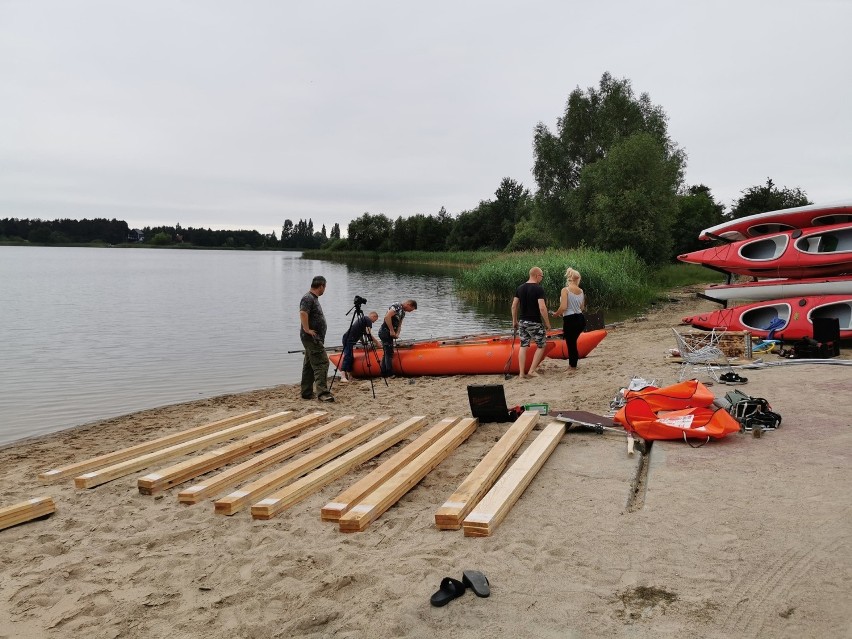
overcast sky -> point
(242, 114)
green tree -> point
(696, 211)
(161, 239)
(370, 232)
(593, 124)
(630, 198)
(760, 199)
(335, 231)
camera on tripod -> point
(360, 300)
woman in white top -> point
(572, 303)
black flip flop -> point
(477, 582)
(450, 589)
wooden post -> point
(98, 477)
(26, 511)
(239, 499)
(490, 512)
(377, 502)
(467, 495)
(312, 482)
(184, 471)
(214, 485)
(334, 509)
(145, 447)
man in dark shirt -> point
(361, 327)
(530, 319)
(312, 333)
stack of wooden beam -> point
(26, 511)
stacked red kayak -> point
(800, 260)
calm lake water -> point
(90, 333)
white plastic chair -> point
(704, 352)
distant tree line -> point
(63, 231)
(608, 177)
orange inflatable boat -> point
(682, 411)
(485, 355)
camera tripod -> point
(366, 344)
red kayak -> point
(817, 252)
(796, 313)
(800, 217)
(473, 356)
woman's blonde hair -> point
(571, 275)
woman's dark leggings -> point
(572, 326)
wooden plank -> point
(482, 478)
(184, 471)
(312, 482)
(490, 512)
(98, 477)
(215, 484)
(386, 495)
(333, 510)
(26, 511)
(250, 493)
(145, 447)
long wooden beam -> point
(492, 510)
(335, 509)
(387, 494)
(217, 483)
(250, 493)
(145, 447)
(98, 477)
(26, 511)
(482, 478)
(312, 482)
(184, 471)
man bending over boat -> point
(390, 330)
(530, 320)
(361, 328)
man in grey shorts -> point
(530, 319)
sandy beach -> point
(743, 537)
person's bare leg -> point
(522, 361)
(539, 355)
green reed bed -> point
(610, 279)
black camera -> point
(360, 300)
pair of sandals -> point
(732, 379)
(453, 588)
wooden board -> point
(250, 493)
(98, 477)
(387, 494)
(26, 511)
(473, 488)
(490, 512)
(334, 509)
(145, 447)
(217, 483)
(312, 482)
(164, 478)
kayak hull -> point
(817, 252)
(800, 217)
(779, 288)
(797, 313)
(492, 355)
